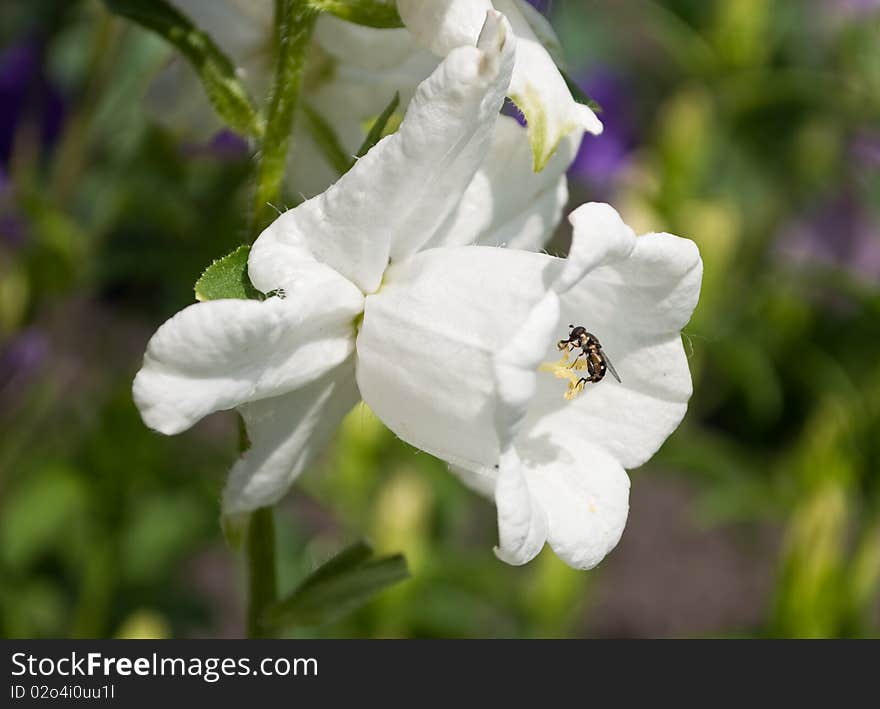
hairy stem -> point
(294, 22)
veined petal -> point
(287, 432)
(507, 203)
(216, 355)
(537, 86)
(394, 199)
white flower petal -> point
(658, 286)
(600, 236)
(543, 30)
(369, 49)
(371, 65)
(286, 433)
(636, 307)
(507, 203)
(447, 358)
(427, 343)
(540, 92)
(537, 86)
(394, 199)
(630, 419)
(216, 355)
(555, 486)
(582, 491)
(522, 524)
(443, 25)
(455, 333)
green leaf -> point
(338, 587)
(327, 140)
(371, 13)
(227, 277)
(579, 94)
(379, 125)
(225, 91)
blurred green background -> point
(752, 127)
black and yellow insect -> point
(590, 348)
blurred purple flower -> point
(602, 157)
(224, 145)
(852, 8)
(26, 95)
(542, 6)
(841, 233)
(12, 228)
(865, 149)
(21, 358)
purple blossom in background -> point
(21, 358)
(26, 95)
(542, 6)
(223, 145)
(602, 157)
(865, 149)
(12, 228)
(841, 233)
(852, 8)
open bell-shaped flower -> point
(382, 296)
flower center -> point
(565, 369)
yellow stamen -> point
(563, 369)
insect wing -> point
(610, 366)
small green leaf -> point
(225, 91)
(579, 94)
(327, 140)
(371, 13)
(378, 127)
(227, 277)
(338, 587)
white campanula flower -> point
(352, 72)
(537, 88)
(391, 290)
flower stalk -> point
(294, 22)
(262, 575)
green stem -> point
(294, 21)
(262, 577)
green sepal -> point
(234, 529)
(338, 587)
(381, 14)
(225, 91)
(227, 277)
(377, 130)
(579, 94)
(327, 140)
